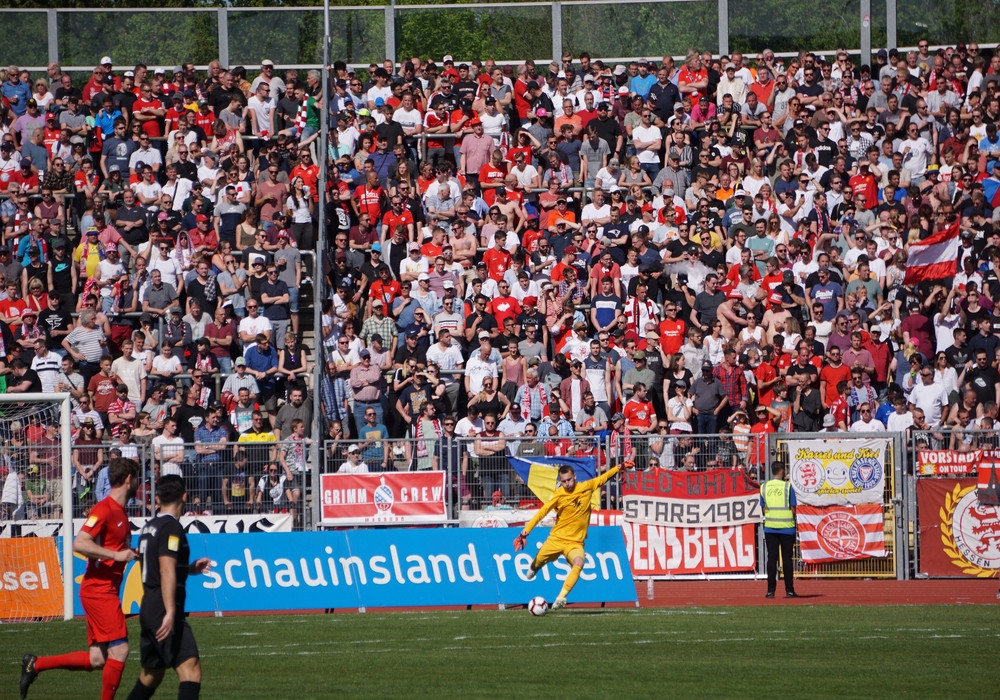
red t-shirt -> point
(638, 413)
(833, 376)
(432, 121)
(171, 117)
(310, 176)
(150, 126)
(391, 220)
(497, 262)
(103, 389)
(370, 201)
(205, 121)
(489, 173)
(505, 307)
(108, 525)
(672, 335)
(866, 185)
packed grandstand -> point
(659, 261)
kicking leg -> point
(576, 558)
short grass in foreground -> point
(776, 651)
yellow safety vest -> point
(777, 495)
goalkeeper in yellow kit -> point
(572, 503)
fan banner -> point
(953, 462)
(838, 472)
(383, 498)
(676, 499)
(958, 535)
(192, 524)
(840, 533)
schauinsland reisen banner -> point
(388, 568)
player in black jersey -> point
(167, 640)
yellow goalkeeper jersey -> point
(572, 509)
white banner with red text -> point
(951, 462)
(383, 498)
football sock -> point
(74, 661)
(188, 690)
(111, 676)
(141, 692)
(571, 580)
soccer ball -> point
(537, 606)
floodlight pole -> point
(319, 279)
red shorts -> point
(105, 619)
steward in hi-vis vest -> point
(777, 498)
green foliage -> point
(502, 34)
(153, 38)
(649, 30)
(773, 651)
(32, 48)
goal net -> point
(41, 493)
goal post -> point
(22, 417)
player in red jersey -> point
(104, 539)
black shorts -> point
(172, 651)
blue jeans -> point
(706, 423)
(210, 482)
(225, 364)
(652, 169)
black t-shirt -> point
(163, 536)
(286, 112)
(712, 259)
(983, 381)
(30, 375)
(392, 131)
(188, 420)
(957, 357)
(707, 305)
(809, 369)
(403, 353)
(677, 248)
(58, 320)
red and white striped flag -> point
(933, 258)
(840, 533)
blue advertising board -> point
(386, 568)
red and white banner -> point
(675, 499)
(945, 462)
(933, 258)
(840, 533)
(959, 536)
(383, 498)
(683, 551)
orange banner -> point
(30, 578)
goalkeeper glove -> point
(628, 465)
(520, 541)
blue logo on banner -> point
(393, 568)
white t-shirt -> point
(253, 326)
(169, 447)
(646, 134)
(262, 109)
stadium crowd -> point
(532, 256)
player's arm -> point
(538, 517)
(602, 479)
(86, 545)
(168, 589)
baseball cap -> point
(829, 421)
(580, 326)
(106, 61)
(202, 218)
(541, 112)
(267, 62)
(423, 277)
(617, 417)
(111, 248)
(352, 449)
(414, 246)
(484, 334)
(240, 362)
(639, 355)
(365, 353)
(707, 367)
(376, 247)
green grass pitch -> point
(773, 651)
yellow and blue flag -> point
(541, 474)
